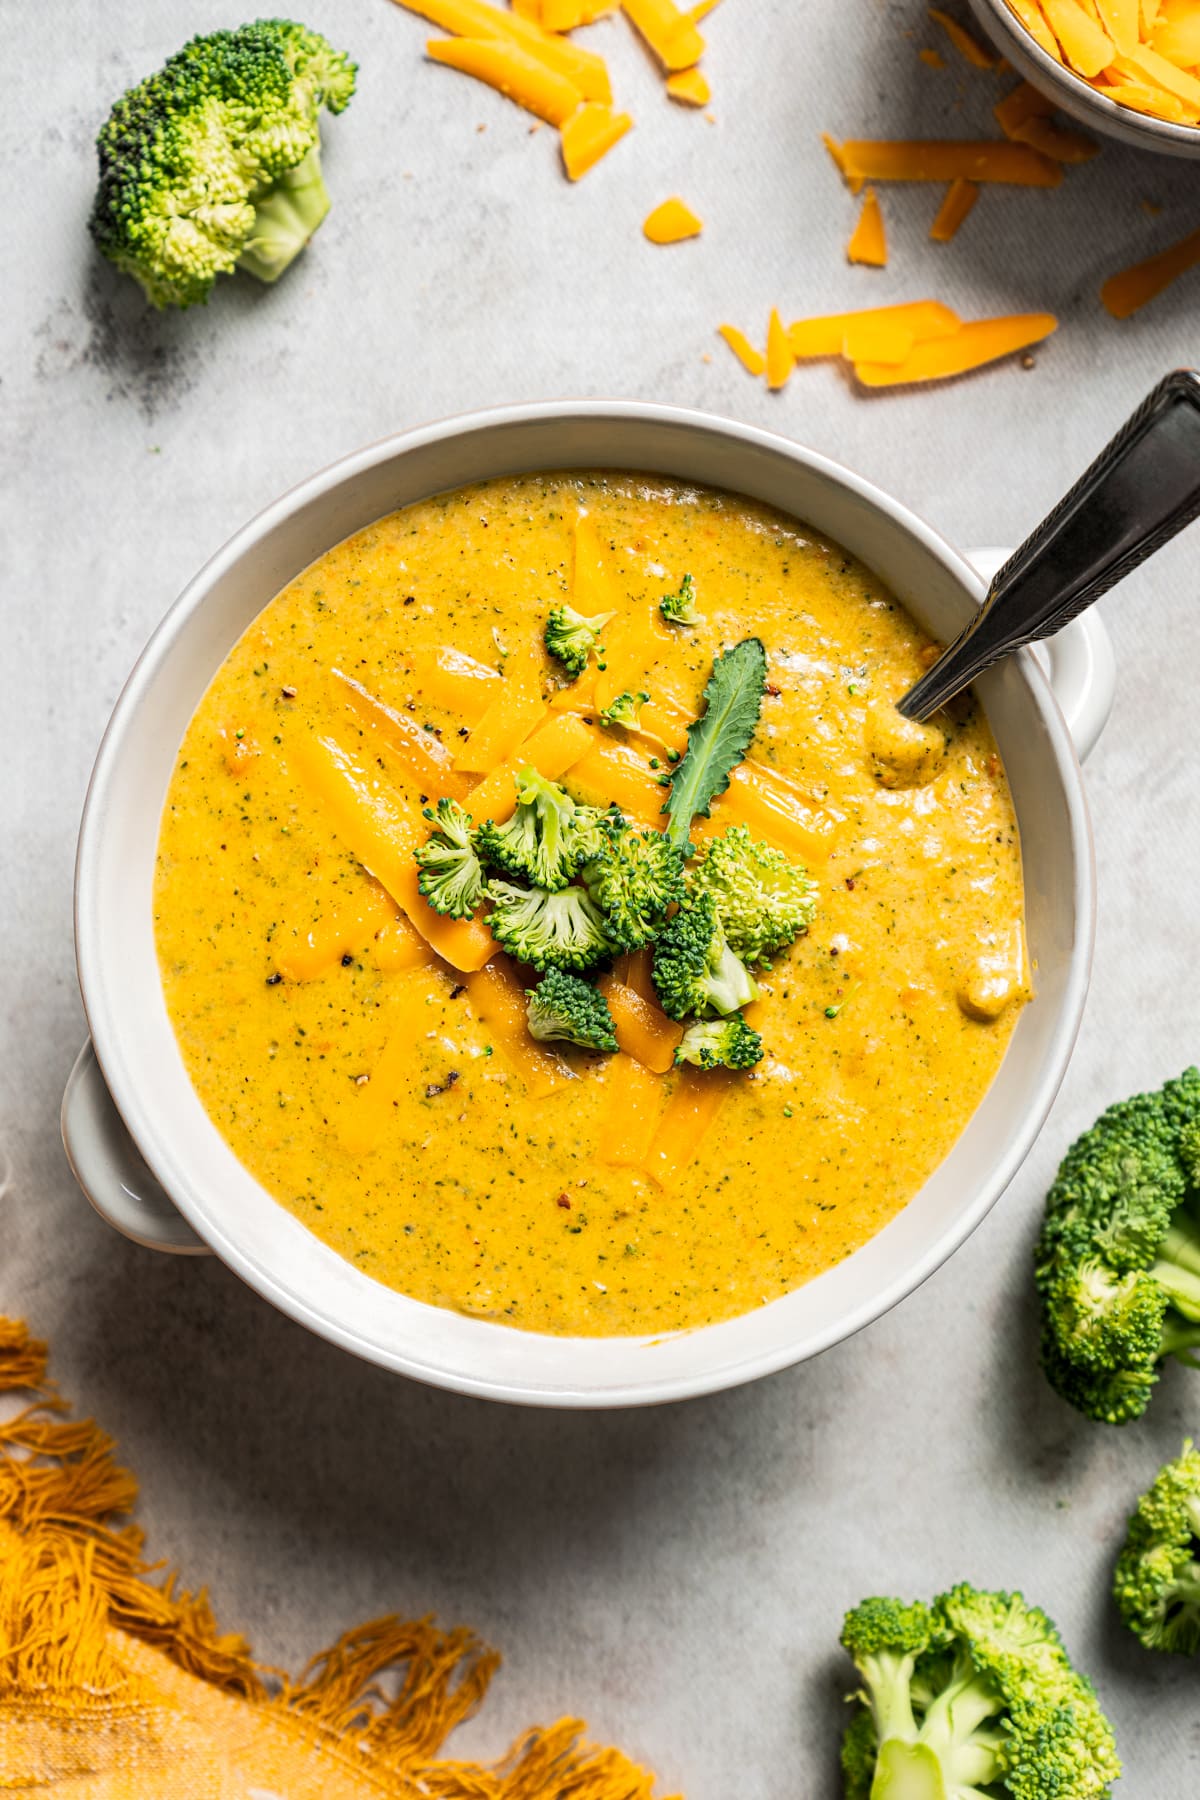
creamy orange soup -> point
(382, 1086)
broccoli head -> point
(1157, 1580)
(1118, 1257)
(541, 840)
(214, 163)
(695, 971)
(974, 1695)
(565, 1009)
(765, 901)
(720, 1044)
(571, 637)
(624, 710)
(633, 878)
(548, 931)
(452, 877)
(680, 608)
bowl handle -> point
(1078, 659)
(105, 1162)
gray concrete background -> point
(678, 1576)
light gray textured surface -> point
(677, 1576)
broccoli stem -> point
(907, 1772)
(1178, 1265)
(285, 216)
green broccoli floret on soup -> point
(720, 1044)
(563, 930)
(571, 637)
(634, 877)
(695, 971)
(765, 901)
(451, 877)
(563, 1008)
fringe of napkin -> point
(72, 1576)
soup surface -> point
(391, 1099)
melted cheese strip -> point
(868, 243)
(553, 748)
(423, 759)
(511, 717)
(634, 1107)
(497, 1000)
(347, 927)
(643, 1029)
(513, 72)
(692, 1111)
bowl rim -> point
(1146, 130)
(270, 1284)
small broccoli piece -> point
(680, 608)
(571, 637)
(974, 1695)
(624, 710)
(1157, 1581)
(633, 878)
(214, 163)
(452, 877)
(765, 901)
(720, 1044)
(548, 931)
(564, 1008)
(1118, 1258)
(695, 971)
(540, 841)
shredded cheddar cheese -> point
(979, 342)
(671, 34)
(752, 360)
(960, 197)
(1127, 292)
(690, 87)
(868, 243)
(1139, 53)
(672, 222)
(932, 159)
(513, 72)
(475, 19)
(964, 41)
(590, 134)
(781, 358)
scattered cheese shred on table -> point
(671, 34)
(702, 9)
(1127, 292)
(513, 73)
(690, 87)
(752, 360)
(475, 19)
(1024, 103)
(960, 197)
(963, 40)
(893, 346)
(1140, 53)
(868, 244)
(933, 159)
(933, 59)
(672, 222)
(974, 344)
(781, 358)
(853, 182)
(589, 134)
(567, 15)
(1061, 143)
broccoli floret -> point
(624, 710)
(548, 931)
(564, 1008)
(571, 637)
(974, 1695)
(633, 878)
(452, 878)
(1118, 1258)
(540, 841)
(680, 608)
(765, 901)
(214, 163)
(695, 971)
(720, 1044)
(1157, 1580)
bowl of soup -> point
(297, 1063)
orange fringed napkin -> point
(114, 1687)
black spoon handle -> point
(1138, 493)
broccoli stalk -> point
(1157, 1580)
(1118, 1258)
(540, 841)
(562, 930)
(451, 876)
(765, 901)
(213, 163)
(562, 1008)
(695, 971)
(571, 637)
(720, 1044)
(972, 1695)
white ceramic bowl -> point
(1077, 96)
(153, 1140)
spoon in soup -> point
(1138, 493)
